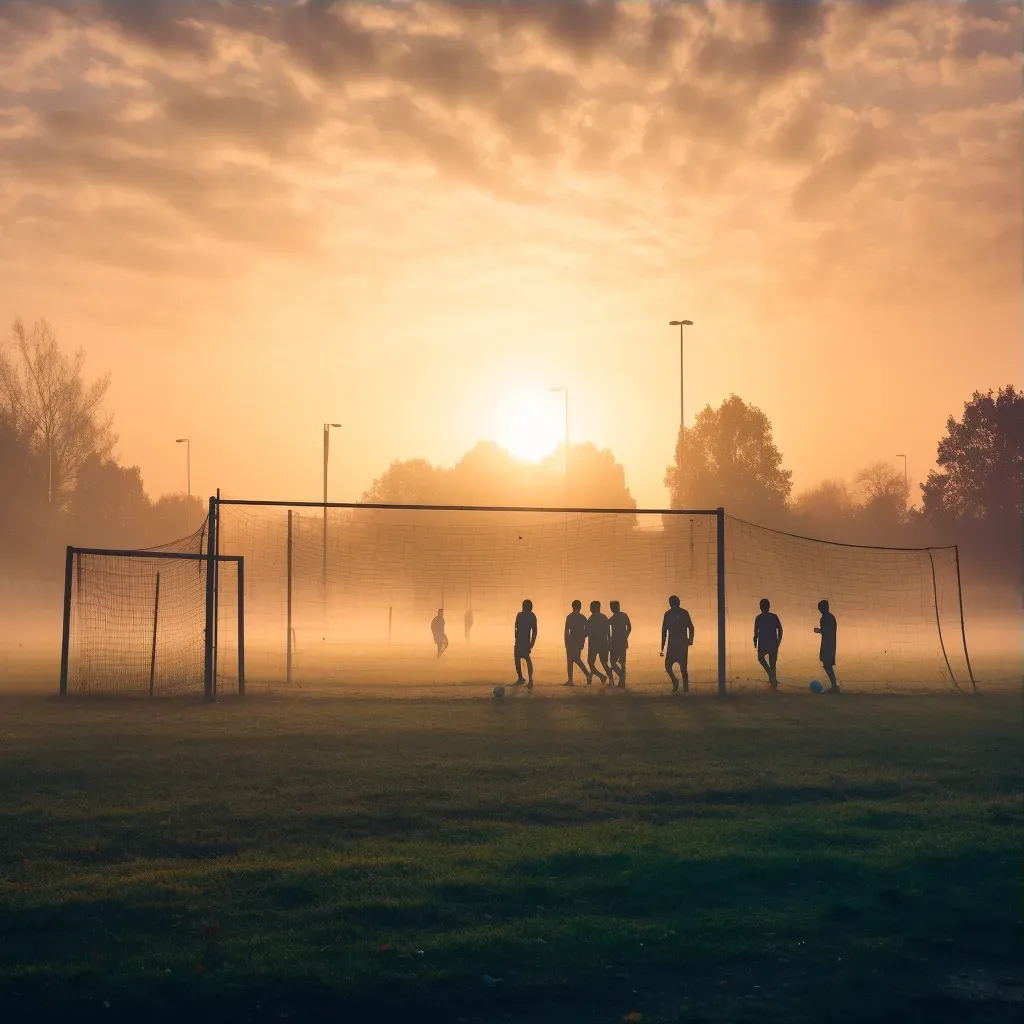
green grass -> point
(791, 859)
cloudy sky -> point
(415, 218)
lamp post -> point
(565, 451)
(682, 399)
(906, 479)
(188, 479)
(327, 445)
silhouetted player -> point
(677, 635)
(575, 638)
(597, 642)
(525, 638)
(767, 637)
(828, 629)
(619, 628)
(437, 629)
(468, 620)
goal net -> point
(135, 621)
(343, 597)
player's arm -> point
(629, 626)
(778, 628)
(690, 631)
(533, 631)
(664, 632)
(756, 624)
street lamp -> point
(682, 403)
(188, 479)
(327, 444)
(906, 480)
(565, 453)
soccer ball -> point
(816, 687)
(499, 691)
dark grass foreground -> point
(790, 859)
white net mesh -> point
(138, 621)
(362, 605)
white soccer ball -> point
(499, 691)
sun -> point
(530, 426)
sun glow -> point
(531, 426)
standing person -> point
(619, 628)
(827, 629)
(677, 635)
(437, 630)
(597, 642)
(575, 638)
(767, 638)
(525, 638)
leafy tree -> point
(23, 519)
(414, 482)
(44, 395)
(981, 476)
(728, 458)
(109, 506)
(489, 475)
(169, 518)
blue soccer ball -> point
(816, 687)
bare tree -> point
(43, 393)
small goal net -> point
(345, 598)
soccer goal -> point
(136, 623)
(343, 597)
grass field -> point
(791, 859)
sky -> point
(416, 218)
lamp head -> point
(181, 440)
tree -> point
(415, 482)
(44, 395)
(981, 476)
(489, 475)
(23, 519)
(826, 509)
(109, 506)
(882, 512)
(728, 458)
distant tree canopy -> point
(981, 476)
(728, 458)
(489, 475)
(44, 396)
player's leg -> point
(830, 671)
(622, 669)
(607, 668)
(762, 657)
(519, 669)
(773, 661)
(669, 661)
(529, 669)
(592, 663)
(578, 660)
(684, 657)
(568, 667)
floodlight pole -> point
(720, 552)
(188, 479)
(565, 453)
(327, 447)
(682, 394)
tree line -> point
(64, 484)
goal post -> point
(138, 621)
